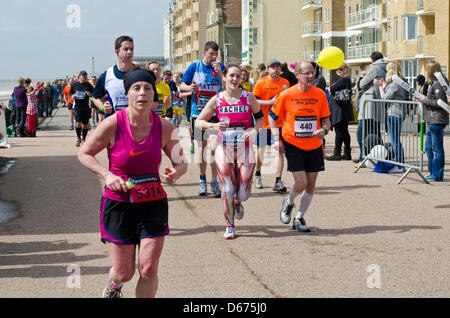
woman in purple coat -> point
(20, 93)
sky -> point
(49, 39)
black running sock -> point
(277, 179)
(203, 177)
(258, 173)
(84, 132)
(78, 130)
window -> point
(255, 6)
(388, 31)
(349, 10)
(327, 17)
(410, 71)
(245, 8)
(255, 36)
(409, 28)
(396, 29)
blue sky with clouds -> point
(40, 38)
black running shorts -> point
(82, 115)
(304, 160)
(128, 223)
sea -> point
(7, 87)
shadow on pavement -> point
(51, 271)
(57, 196)
(271, 231)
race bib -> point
(146, 188)
(305, 126)
(203, 98)
(159, 110)
(80, 95)
(233, 136)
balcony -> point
(178, 36)
(361, 51)
(368, 18)
(311, 4)
(188, 14)
(312, 29)
(310, 55)
(195, 27)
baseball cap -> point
(272, 61)
(82, 73)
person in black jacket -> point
(48, 99)
(341, 113)
(286, 74)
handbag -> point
(343, 95)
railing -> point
(311, 2)
(402, 147)
(310, 55)
(312, 27)
(361, 51)
(364, 16)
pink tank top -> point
(129, 158)
(239, 116)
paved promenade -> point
(370, 237)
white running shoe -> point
(229, 232)
(279, 187)
(238, 210)
(300, 225)
(285, 213)
(258, 182)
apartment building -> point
(404, 30)
(223, 25)
(364, 27)
(194, 22)
(271, 29)
(323, 26)
(416, 32)
(187, 32)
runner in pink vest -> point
(234, 155)
(134, 207)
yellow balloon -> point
(331, 58)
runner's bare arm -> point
(172, 148)
(202, 120)
(256, 108)
(102, 137)
(320, 133)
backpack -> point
(38, 93)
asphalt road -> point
(370, 237)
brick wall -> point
(232, 13)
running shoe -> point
(429, 178)
(78, 143)
(71, 128)
(203, 188)
(258, 182)
(279, 186)
(285, 213)
(300, 225)
(216, 189)
(110, 292)
(229, 232)
(238, 210)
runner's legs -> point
(150, 250)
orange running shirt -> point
(67, 94)
(266, 89)
(302, 113)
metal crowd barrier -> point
(393, 132)
(3, 131)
